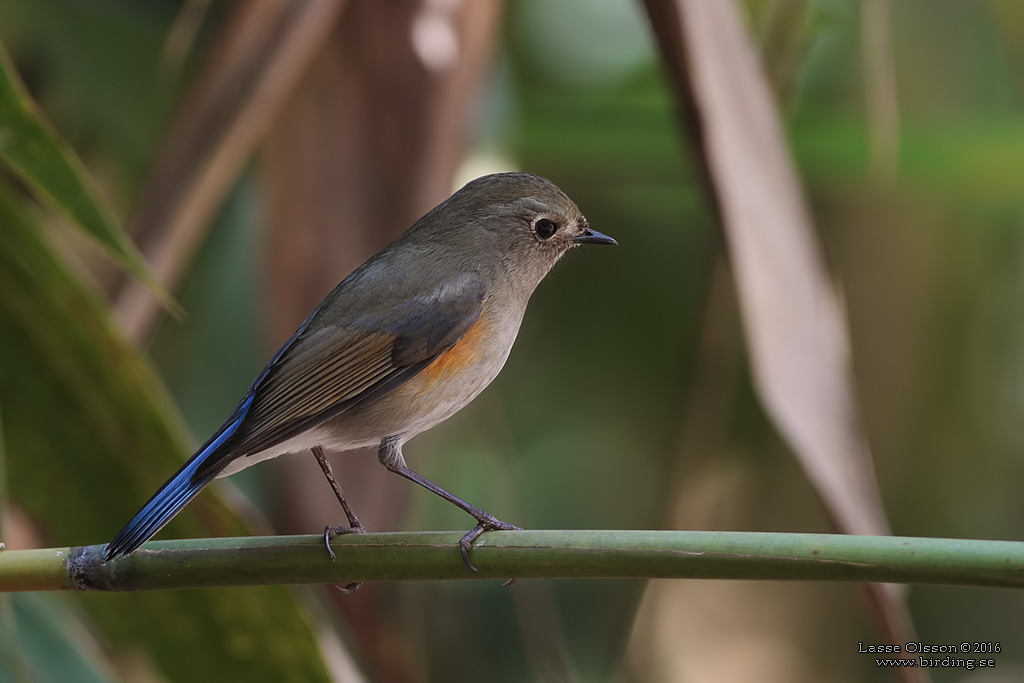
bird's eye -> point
(545, 228)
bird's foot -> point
(348, 588)
(486, 522)
(332, 532)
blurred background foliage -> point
(628, 401)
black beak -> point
(589, 236)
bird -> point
(402, 343)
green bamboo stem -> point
(520, 554)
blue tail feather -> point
(178, 491)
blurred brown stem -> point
(880, 87)
(793, 320)
(264, 49)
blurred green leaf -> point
(50, 167)
(49, 643)
(90, 433)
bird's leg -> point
(354, 525)
(390, 455)
(330, 532)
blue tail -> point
(187, 482)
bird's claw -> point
(332, 532)
(489, 523)
(348, 588)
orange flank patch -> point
(464, 354)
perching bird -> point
(404, 342)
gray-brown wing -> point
(327, 370)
